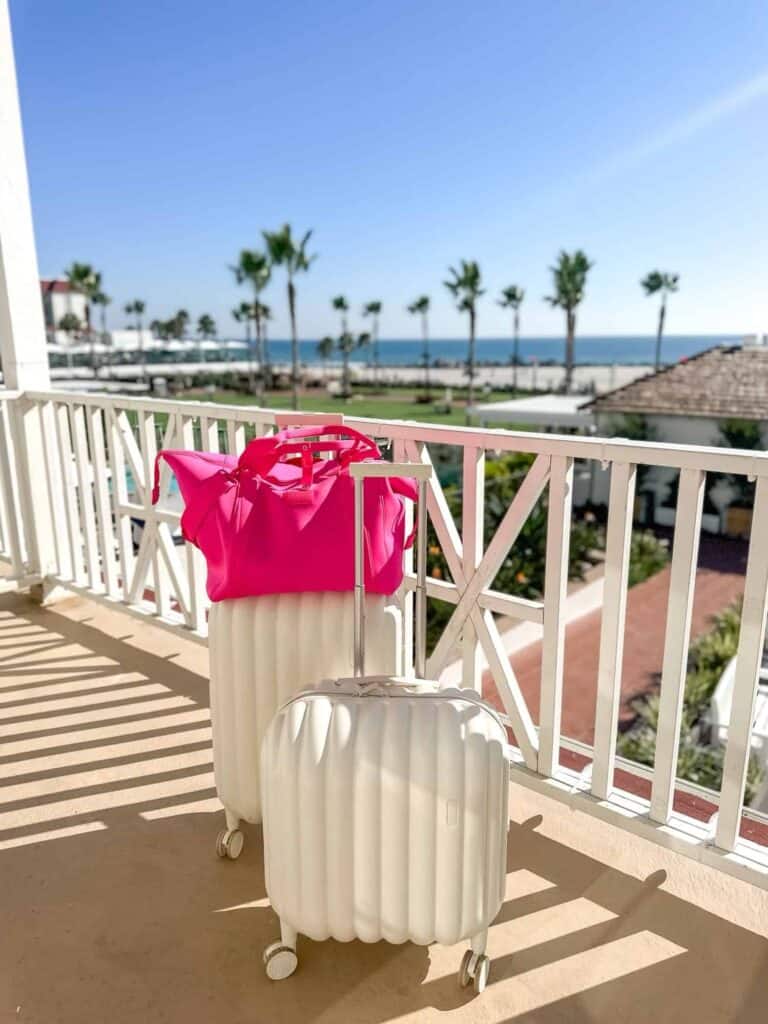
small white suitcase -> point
(385, 804)
(263, 650)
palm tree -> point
(284, 252)
(341, 306)
(512, 298)
(465, 288)
(84, 280)
(325, 349)
(206, 328)
(70, 324)
(136, 308)
(420, 307)
(102, 300)
(264, 314)
(373, 309)
(346, 344)
(243, 314)
(253, 268)
(570, 278)
(178, 324)
(660, 281)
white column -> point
(22, 328)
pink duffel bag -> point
(279, 520)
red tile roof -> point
(53, 285)
(720, 383)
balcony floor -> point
(115, 908)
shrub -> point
(697, 761)
(648, 555)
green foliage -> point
(648, 555)
(697, 762)
(511, 297)
(206, 326)
(522, 571)
(660, 281)
(746, 434)
(285, 251)
(741, 434)
(569, 277)
(464, 285)
(71, 324)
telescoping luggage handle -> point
(421, 473)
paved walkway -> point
(719, 581)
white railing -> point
(108, 541)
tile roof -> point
(53, 285)
(720, 382)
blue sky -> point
(161, 137)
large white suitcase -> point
(385, 807)
(263, 650)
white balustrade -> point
(110, 542)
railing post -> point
(748, 660)
(682, 579)
(472, 515)
(618, 541)
(555, 591)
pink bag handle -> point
(262, 454)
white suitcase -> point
(385, 806)
(263, 650)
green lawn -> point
(392, 404)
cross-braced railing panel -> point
(110, 542)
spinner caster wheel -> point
(474, 970)
(280, 961)
(465, 973)
(482, 970)
(229, 843)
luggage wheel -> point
(229, 843)
(474, 969)
(279, 961)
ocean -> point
(591, 350)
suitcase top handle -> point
(422, 473)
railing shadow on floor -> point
(115, 904)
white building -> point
(690, 403)
(58, 300)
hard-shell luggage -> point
(262, 651)
(385, 802)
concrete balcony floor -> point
(114, 907)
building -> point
(717, 398)
(59, 299)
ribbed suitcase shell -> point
(385, 817)
(263, 650)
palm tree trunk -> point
(375, 351)
(257, 317)
(425, 339)
(570, 327)
(345, 373)
(659, 333)
(142, 360)
(249, 343)
(471, 364)
(294, 345)
(267, 361)
(516, 350)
